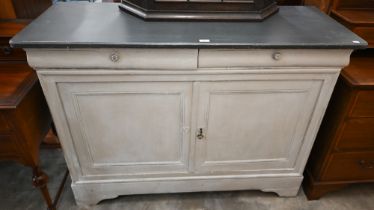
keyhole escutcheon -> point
(200, 134)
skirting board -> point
(89, 194)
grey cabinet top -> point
(88, 25)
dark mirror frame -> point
(234, 10)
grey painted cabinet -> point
(164, 107)
(135, 121)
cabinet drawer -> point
(364, 104)
(357, 134)
(149, 59)
(10, 54)
(223, 58)
(350, 166)
(7, 145)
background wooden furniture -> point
(22, 9)
(24, 115)
(324, 5)
(14, 16)
(344, 150)
(356, 15)
(24, 120)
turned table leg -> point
(40, 180)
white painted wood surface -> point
(128, 118)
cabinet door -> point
(252, 125)
(129, 128)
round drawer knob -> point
(277, 56)
(114, 57)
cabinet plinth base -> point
(89, 194)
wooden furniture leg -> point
(314, 190)
(40, 180)
(61, 188)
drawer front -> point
(149, 59)
(357, 134)
(10, 54)
(223, 58)
(185, 59)
(364, 104)
(4, 127)
(7, 146)
(350, 166)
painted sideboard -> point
(163, 107)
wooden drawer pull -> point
(366, 164)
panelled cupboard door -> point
(143, 126)
(252, 125)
